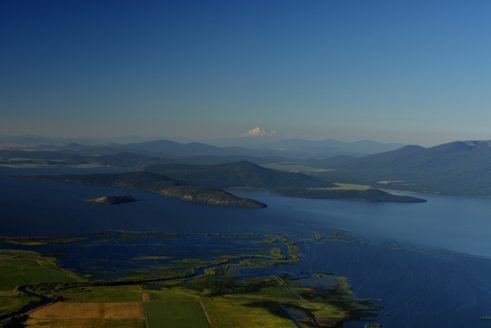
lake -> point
(426, 264)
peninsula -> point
(111, 200)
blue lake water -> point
(403, 256)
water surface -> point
(402, 257)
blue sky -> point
(405, 71)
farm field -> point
(105, 314)
(131, 293)
(174, 308)
(227, 312)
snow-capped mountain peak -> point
(259, 132)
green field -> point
(182, 307)
(24, 267)
(225, 312)
(11, 301)
(19, 268)
(174, 308)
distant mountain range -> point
(29, 140)
(260, 146)
(302, 148)
(167, 148)
(461, 168)
(258, 142)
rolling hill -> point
(237, 174)
(168, 148)
(460, 168)
(250, 175)
(307, 149)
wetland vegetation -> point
(206, 291)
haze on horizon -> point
(409, 72)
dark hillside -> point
(238, 174)
(453, 168)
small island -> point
(111, 200)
